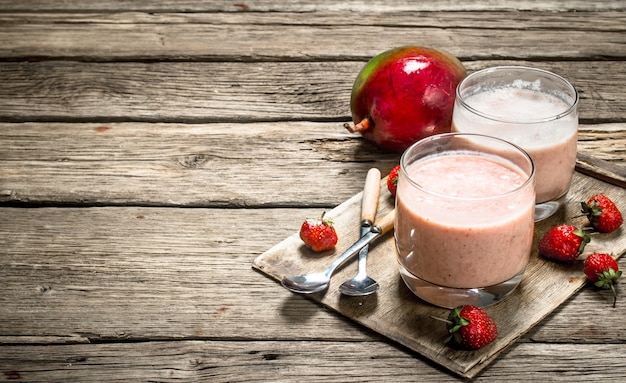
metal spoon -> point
(314, 282)
(362, 284)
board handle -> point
(601, 169)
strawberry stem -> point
(614, 295)
(607, 280)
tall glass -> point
(533, 108)
(464, 218)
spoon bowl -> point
(307, 283)
(359, 286)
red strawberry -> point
(318, 233)
(471, 327)
(602, 270)
(563, 243)
(603, 215)
(392, 180)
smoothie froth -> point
(550, 141)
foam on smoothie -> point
(550, 142)
(538, 110)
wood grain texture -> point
(304, 6)
(137, 273)
(201, 92)
(209, 37)
(237, 361)
(206, 165)
(603, 20)
(151, 150)
(106, 290)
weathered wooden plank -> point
(229, 165)
(267, 36)
(143, 273)
(193, 42)
(310, 6)
(208, 92)
(593, 138)
(601, 21)
(76, 275)
(332, 361)
(221, 165)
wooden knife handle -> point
(371, 192)
(386, 223)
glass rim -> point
(530, 176)
(572, 108)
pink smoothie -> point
(468, 225)
(551, 143)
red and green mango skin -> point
(408, 94)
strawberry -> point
(563, 243)
(603, 215)
(471, 327)
(318, 233)
(392, 180)
(602, 270)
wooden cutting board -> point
(402, 317)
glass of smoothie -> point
(464, 218)
(533, 108)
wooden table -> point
(150, 151)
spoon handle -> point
(352, 250)
(371, 192)
(381, 227)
